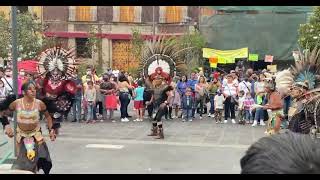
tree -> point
(309, 33)
(194, 42)
(95, 42)
(138, 44)
(4, 36)
(30, 37)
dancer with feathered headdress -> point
(161, 60)
(302, 83)
(56, 66)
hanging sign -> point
(213, 65)
(213, 60)
(253, 57)
(268, 58)
(237, 53)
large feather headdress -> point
(57, 57)
(304, 73)
(164, 53)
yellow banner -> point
(222, 60)
(229, 54)
(213, 65)
(230, 60)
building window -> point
(174, 14)
(22, 9)
(127, 14)
(83, 49)
(83, 13)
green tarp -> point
(264, 33)
(264, 8)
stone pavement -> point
(201, 146)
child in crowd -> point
(187, 105)
(90, 97)
(138, 101)
(241, 107)
(175, 102)
(218, 106)
(248, 103)
(3, 91)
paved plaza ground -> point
(201, 146)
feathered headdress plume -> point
(164, 53)
(305, 73)
(57, 57)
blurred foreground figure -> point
(286, 153)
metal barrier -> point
(7, 154)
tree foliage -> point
(137, 47)
(4, 36)
(95, 44)
(137, 43)
(193, 42)
(30, 39)
(309, 33)
(93, 39)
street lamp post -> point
(14, 64)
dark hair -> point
(90, 83)
(105, 77)
(203, 78)
(1, 69)
(25, 86)
(140, 83)
(122, 78)
(168, 88)
(185, 77)
(241, 92)
(285, 153)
